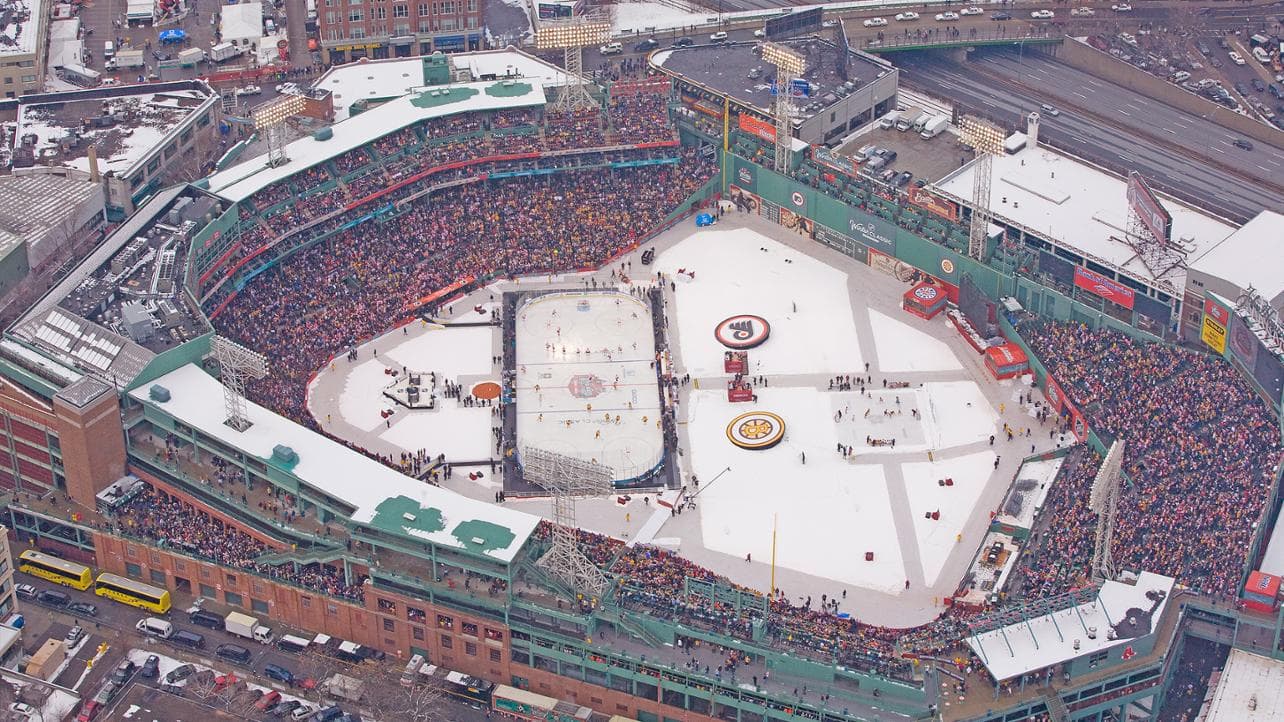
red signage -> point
(759, 128)
(1219, 314)
(941, 207)
(1143, 202)
(1107, 288)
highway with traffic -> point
(1181, 153)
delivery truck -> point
(243, 625)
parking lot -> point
(925, 159)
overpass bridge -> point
(943, 39)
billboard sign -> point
(1107, 288)
(873, 232)
(941, 207)
(1213, 330)
(1243, 342)
(793, 24)
(1143, 202)
(758, 128)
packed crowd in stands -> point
(313, 306)
(641, 117)
(1059, 558)
(351, 161)
(1201, 449)
(576, 129)
(393, 143)
(169, 522)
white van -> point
(154, 627)
(109, 50)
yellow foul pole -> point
(772, 591)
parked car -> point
(1042, 15)
(223, 681)
(875, 22)
(974, 10)
(180, 673)
(89, 711)
(207, 619)
(74, 635)
(83, 608)
(25, 591)
(1241, 88)
(159, 55)
(1121, 8)
(612, 49)
(946, 16)
(151, 667)
(683, 42)
(760, 33)
(53, 598)
(647, 45)
(286, 707)
(123, 672)
(279, 673)
(303, 711)
(249, 90)
(907, 16)
(903, 178)
(22, 708)
(268, 701)
(234, 653)
(1243, 143)
(1258, 85)
(1083, 12)
(718, 37)
(1001, 16)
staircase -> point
(1057, 711)
(313, 556)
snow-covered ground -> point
(646, 16)
(828, 511)
(902, 347)
(741, 271)
(937, 538)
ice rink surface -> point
(586, 384)
(743, 272)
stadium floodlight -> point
(572, 36)
(789, 64)
(236, 363)
(987, 139)
(269, 119)
(786, 59)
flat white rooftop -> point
(383, 497)
(245, 179)
(1050, 639)
(1080, 207)
(22, 26)
(242, 22)
(380, 79)
(1251, 689)
(1252, 256)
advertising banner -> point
(1056, 399)
(746, 202)
(1107, 288)
(1216, 320)
(746, 175)
(842, 243)
(872, 231)
(1243, 342)
(798, 223)
(1143, 202)
(941, 207)
(758, 128)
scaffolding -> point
(1104, 501)
(789, 64)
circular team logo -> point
(926, 293)
(745, 176)
(743, 331)
(756, 430)
(797, 199)
(947, 266)
(585, 386)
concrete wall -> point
(1107, 67)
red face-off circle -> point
(743, 331)
(486, 390)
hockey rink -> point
(586, 385)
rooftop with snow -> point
(1251, 689)
(245, 179)
(123, 125)
(1077, 630)
(1081, 207)
(725, 69)
(379, 497)
(378, 80)
(21, 20)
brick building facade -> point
(353, 29)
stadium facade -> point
(102, 389)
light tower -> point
(269, 119)
(568, 479)
(789, 65)
(236, 364)
(572, 36)
(987, 140)
(1104, 500)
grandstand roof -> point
(1078, 205)
(383, 498)
(378, 79)
(1251, 689)
(245, 179)
(1250, 256)
(1049, 639)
